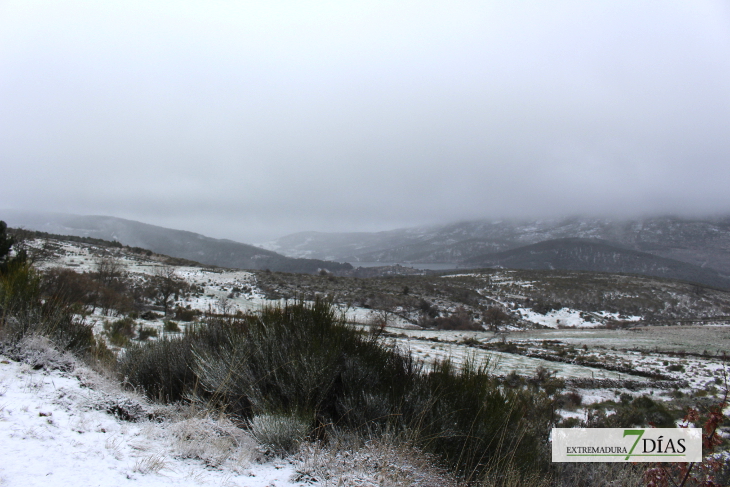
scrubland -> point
(238, 377)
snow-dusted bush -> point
(38, 352)
(281, 432)
(212, 441)
(123, 407)
(352, 461)
(24, 314)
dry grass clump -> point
(280, 432)
(213, 441)
(150, 464)
(598, 475)
(384, 461)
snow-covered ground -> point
(501, 363)
(56, 429)
(64, 424)
(571, 318)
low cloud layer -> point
(251, 120)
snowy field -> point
(69, 426)
(56, 429)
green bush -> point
(145, 333)
(184, 314)
(171, 326)
(121, 331)
(639, 412)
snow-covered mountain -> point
(702, 242)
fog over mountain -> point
(175, 243)
(700, 241)
(694, 250)
(253, 120)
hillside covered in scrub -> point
(332, 380)
(294, 379)
(481, 298)
(693, 250)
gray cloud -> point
(250, 121)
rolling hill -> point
(703, 242)
(597, 255)
(176, 243)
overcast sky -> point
(251, 120)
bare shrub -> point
(571, 400)
(458, 320)
(165, 286)
(495, 317)
(150, 464)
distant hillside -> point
(597, 255)
(176, 243)
(346, 246)
(703, 242)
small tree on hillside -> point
(108, 270)
(165, 285)
(111, 289)
(495, 317)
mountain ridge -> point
(176, 243)
(593, 255)
(699, 241)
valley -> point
(602, 335)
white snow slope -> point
(55, 431)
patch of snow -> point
(564, 317)
(54, 432)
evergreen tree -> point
(6, 243)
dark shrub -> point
(640, 412)
(171, 326)
(161, 368)
(145, 333)
(304, 360)
(119, 332)
(23, 313)
(458, 320)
